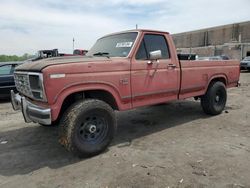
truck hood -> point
(37, 66)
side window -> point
(157, 42)
(141, 53)
(151, 43)
(5, 70)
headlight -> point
(36, 86)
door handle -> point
(171, 66)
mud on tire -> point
(87, 127)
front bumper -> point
(244, 65)
(30, 111)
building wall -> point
(239, 32)
(233, 51)
(232, 40)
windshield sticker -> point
(124, 44)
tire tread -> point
(67, 124)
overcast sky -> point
(29, 25)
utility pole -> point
(73, 44)
(136, 26)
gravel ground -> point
(169, 145)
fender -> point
(217, 76)
(87, 86)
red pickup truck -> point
(121, 71)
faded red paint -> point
(134, 83)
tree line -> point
(6, 58)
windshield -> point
(118, 45)
(247, 58)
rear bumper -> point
(30, 111)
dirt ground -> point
(170, 145)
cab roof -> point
(136, 30)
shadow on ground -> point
(35, 147)
(4, 100)
(244, 71)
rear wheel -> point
(87, 127)
(214, 101)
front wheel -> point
(214, 101)
(87, 127)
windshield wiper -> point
(101, 54)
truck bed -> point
(195, 75)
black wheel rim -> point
(219, 98)
(93, 129)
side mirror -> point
(155, 55)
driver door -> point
(153, 81)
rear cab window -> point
(152, 42)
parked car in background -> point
(187, 56)
(7, 78)
(224, 57)
(43, 54)
(80, 52)
(221, 57)
(245, 63)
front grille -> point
(243, 63)
(22, 83)
(30, 84)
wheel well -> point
(92, 94)
(219, 79)
(102, 95)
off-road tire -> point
(76, 127)
(214, 101)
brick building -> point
(232, 40)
